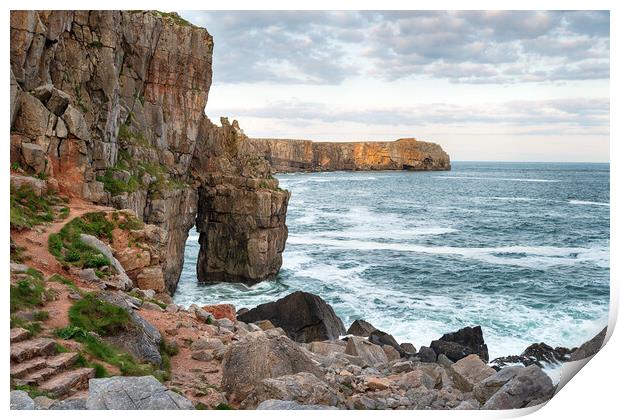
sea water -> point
(521, 249)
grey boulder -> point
(133, 393)
(528, 385)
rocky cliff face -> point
(305, 155)
(109, 106)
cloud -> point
(316, 47)
(554, 115)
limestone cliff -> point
(109, 106)
(306, 155)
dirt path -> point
(35, 241)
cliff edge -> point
(308, 156)
(108, 106)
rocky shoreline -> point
(290, 354)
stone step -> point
(20, 370)
(67, 382)
(52, 366)
(29, 349)
(19, 334)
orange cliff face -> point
(305, 155)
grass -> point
(93, 314)
(105, 352)
(18, 254)
(60, 279)
(174, 17)
(33, 328)
(160, 180)
(33, 392)
(67, 246)
(29, 292)
(41, 315)
(29, 210)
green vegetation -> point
(17, 253)
(96, 44)
(29, 292)
(60, 279)
(33, 392)
(93, 314)
(105, 352)
(158, 182)
(33, 327)
(41, 315)
(222, 406)
(67, 246)
(174, 17)
(29, 210)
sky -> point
(485, 85)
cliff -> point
(108, 106)
(306, 155)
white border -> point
(592, 395)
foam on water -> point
(588, 203)
(498, 179)
(527, 259)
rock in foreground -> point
(257, 357)
(133, 393)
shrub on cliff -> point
(29, 292)
(29, 209)
(67, 246)
(92, 314)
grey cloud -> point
(327, 47)
(556, 114)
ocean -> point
(521, 249)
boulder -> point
(426, 354)
(377, 384)
(468, 371)
(151, 278)
(361, 328)
(290, 405)
(390, 352)
(528, 385)
(305, 317)
(133, 393)
(34, 156)
(484, 389)
(223, 310)
(257, 357)
(123, 282)
(264, 324)
(139, 338)
(457, 345)
(418, 378)
(302, 387)
(409, 348)
(370, 354)
(402, 366)
(536, 354)
(76, 124)
(20, 400)
(38, 186)
(132, 258)
(58, 101)
(326, 348)
(384, 339)
(589, 348)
